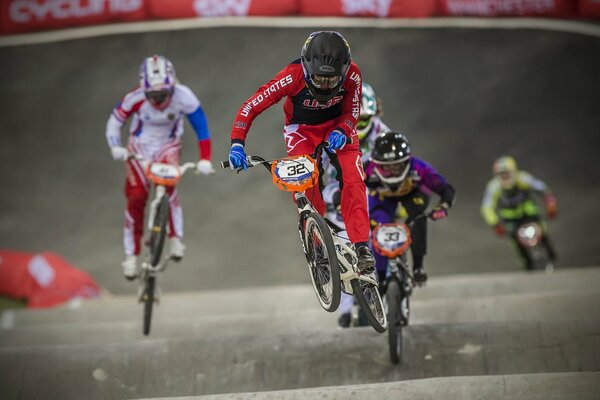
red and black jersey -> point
(300, 106)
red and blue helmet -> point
(157, 78)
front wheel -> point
(370, 303)
(322, 261)
(394, 316)
(539, 258)
(159, 231)
(148, 300)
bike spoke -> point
(319, 264)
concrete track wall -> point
(463, 96)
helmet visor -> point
(325, 82)
(394, 170)
(158, 97)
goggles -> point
(393, 170)
(325, 82)
(159, 97)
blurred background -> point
(464, 94)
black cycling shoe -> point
(420, 275)
(344, 320)
(366, 261)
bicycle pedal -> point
(176, 259)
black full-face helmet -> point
(391, 156)
(325, 60)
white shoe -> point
(176, 248)
(130, 267)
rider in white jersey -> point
(156, 109)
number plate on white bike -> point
(295, 173)
(164, 174)
(391, 239)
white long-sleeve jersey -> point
(150, 128)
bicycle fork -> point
(304, 209)
(160, 192)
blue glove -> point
(237, 157)
(336, 141)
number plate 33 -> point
(391, 240)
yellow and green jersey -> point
(511, 204)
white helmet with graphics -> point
(157, 77)
(368, 109)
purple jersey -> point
(419, 174)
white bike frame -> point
(348, 270)
(159, 192)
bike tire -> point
(394, 299)
(369, 299)
(158, 233)
(325, 276)
(539, 257)
(148, 299)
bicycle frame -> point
(162, 175)
(348, 269)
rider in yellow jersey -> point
(508, 202)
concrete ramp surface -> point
(557, 386)
(293, 345)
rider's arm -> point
(200, 124)
(528, 181)
(113, 131)
(285, 83)
(351, 102)
(130, 104)
(490, 199)
(193, 110)
(431, 178)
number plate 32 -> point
(295, 174)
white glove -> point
(205, 167)
(119, 153)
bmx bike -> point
(332, 260)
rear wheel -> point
(322, 261)
(148, 300)
(158, 233)
(394, 316)
(370, 303)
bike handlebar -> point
(253, 161)
(184, 167)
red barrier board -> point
(589, 8)
(31, 15)
(43, 279)
(217, 8)
(499, 8)
(369, 8)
